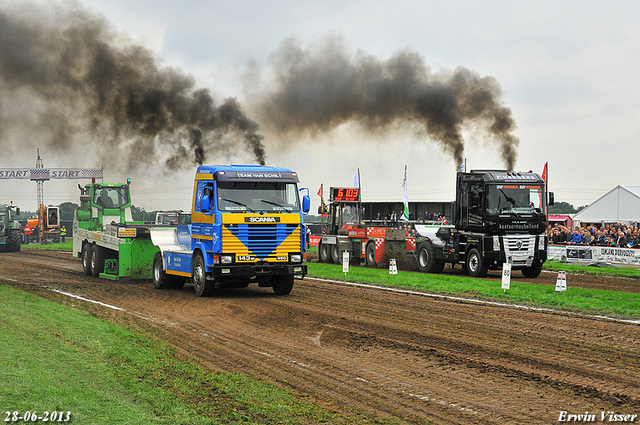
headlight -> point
(226, 259)
(295, 258)
(496, 243)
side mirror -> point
(551, 200)
(475, 200)
(204, 203)
(17, 211)
(306, 204)
(306, 200)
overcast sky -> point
(568, 71)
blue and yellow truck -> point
(246, 227)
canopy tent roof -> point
(620, 204)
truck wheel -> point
(160, 279)
(370, 255)
(475, 266)
(533, 271)
(97, 260)
(335, 254)
(282, 285)
(426, 256)
(324, 251)
(15, 240)
(202, 286)
(86, 258)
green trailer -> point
(110, 244)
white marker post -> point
(393, 268)
(345, 262)
(506, 276)
(561, 282)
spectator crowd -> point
(614, 235)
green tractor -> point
(10, 231)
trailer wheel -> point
(324, 251)
(160, 279)
(86, 258)
(97, 260)
(282, 285)
(370, 255)
(475, 266)
(15, 240)
(202, 286)
(533, 271)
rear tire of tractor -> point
(160, 278)
(370, 255)
(97, 260)
(335, 254)
(475, 265)
(533, 271)
(15, 240)
(202, 286)
(86, 258)
(282, 285)
(426, 257)
(324, 252)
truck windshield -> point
(111, 197)
(258, 196)
(514, 198)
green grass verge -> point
(55, 358)
(598, 271)
(590, 301)
(66, 246)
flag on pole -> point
(321, 195)
(405, 199)
(544, 172)
(356, 178)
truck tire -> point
(324, 252)
(426, 257)
(533, 271)
(370, 255)
(475, 265)
(282, 285)
(335, 254)
(160, 278)
(97, 260)
(202, 286)
(86, 258)
(15, 240)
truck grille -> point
(265, 241)
(520, 249)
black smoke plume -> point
(317, 89)
(89, 81)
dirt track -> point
(410, 357)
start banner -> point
(50, 173)
(592, 254)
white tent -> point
(620, 204)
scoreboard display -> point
(343, 194)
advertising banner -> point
(592, 254)
(50, 173)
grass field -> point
(57, 359)
(590, 301)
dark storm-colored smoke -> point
(318, 89)
(88, 80)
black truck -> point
(499, 217)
